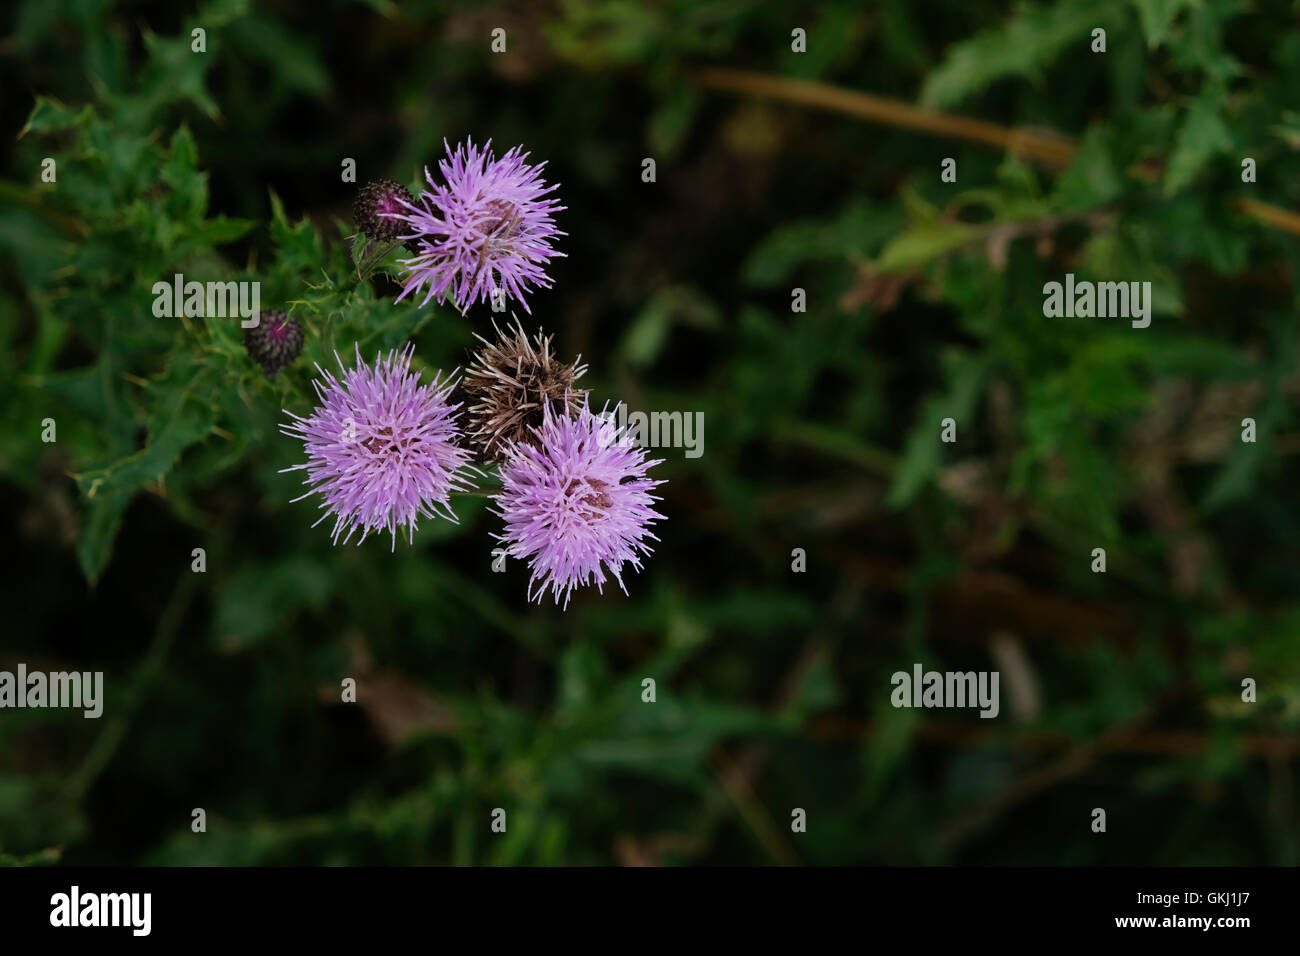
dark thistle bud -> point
(274, 342)
(374, 206)
(510, 383)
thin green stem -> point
(385, 326)
(375, 254)
(476, 493)
(328, 334)
(105, 746)
(838, 444)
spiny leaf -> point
(1031, 40)
(1158, 16)
(49, 114)
(1202, 136)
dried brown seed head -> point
(508, 384)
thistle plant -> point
(274, 342)
(511, 381)
(377, 207)
(576, 503)
(381, 447)
(384, 450)
(486, 229)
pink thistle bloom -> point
(577, 503)
(381, 447)
(487, 229)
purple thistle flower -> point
(274, 342)
(576, 504)
(487, 229)
(381, 447)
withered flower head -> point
(510, 383)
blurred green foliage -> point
(1120, 690)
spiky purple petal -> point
(577, 504)
(488, 226)
(381, 447)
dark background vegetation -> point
(1119, 690)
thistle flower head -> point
(577, 504)
(274, 342)
(378, 207)
(488, 227)
(510, 382)
(381, 447)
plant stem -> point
(371, 259)
(328, 334)
(1048, 148)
